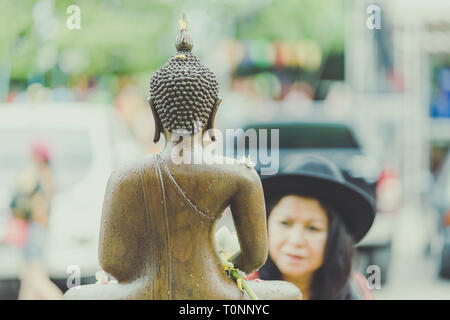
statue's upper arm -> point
(124, 227)
(249, 215)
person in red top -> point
(314, 220)
(32, 205)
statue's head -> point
(183, 92)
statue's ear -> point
(158, 125)
(212, 117)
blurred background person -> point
(314, 220)
(31, 203)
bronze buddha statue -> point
(159, 218)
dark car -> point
(339, 143)
(440, 200)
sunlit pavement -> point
(413, 275)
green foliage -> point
(127, 37)
(119, 39)
(287, 20)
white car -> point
(87, 142)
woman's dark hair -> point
(330, 281)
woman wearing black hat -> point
(314, 219)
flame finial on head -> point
(182, 22)
(183, 91)
(184, 40)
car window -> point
(312, 136)
(71, 153)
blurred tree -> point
(287, 20)
(114, 37)
(129, 37)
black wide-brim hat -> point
(319, 178)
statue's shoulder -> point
(242, 169)
(249, 180)
(128, 175)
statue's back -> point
(183, 204)
(157, 233)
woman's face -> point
(297, 231)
